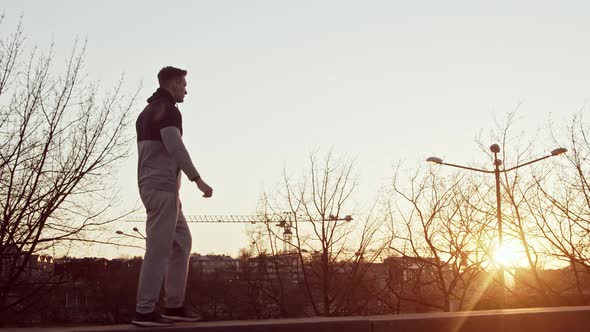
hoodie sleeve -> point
(172, 140)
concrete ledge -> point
(513, 320)
(570, 319)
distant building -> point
(417, 269)
(270, 267)
(217, 266)
(36, 266)
(406, 284)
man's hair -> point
(169, 73)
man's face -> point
(179, 89)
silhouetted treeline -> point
(101, 291)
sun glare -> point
(510, 255)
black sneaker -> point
(150, 320)
(181, 315)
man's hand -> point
(207, 191)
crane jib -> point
(281, 219)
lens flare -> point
(510, 255)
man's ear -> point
(177, 81)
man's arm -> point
(173, 143)
(175, 146)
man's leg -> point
(162, 213)
(176, 275)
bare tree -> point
(442, 232)
(60, 144)
(519, 189)
(447, 219)
(332, 253)
(561, 209)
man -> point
(162, 155)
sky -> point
(270, 82)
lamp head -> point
(434, 161)
(495, 148)
(558, 151)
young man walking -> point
(161, 158)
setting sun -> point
(511, 254)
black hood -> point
(161, 94)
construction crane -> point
(283, 220)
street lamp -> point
(495, 148)
(140, 237)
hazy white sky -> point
(271, 81)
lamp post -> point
(140, 237)
(495, 148)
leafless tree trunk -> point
(562, 208)
(60, 145)
(334, 255)
(442, 234)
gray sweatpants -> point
(167, 254)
